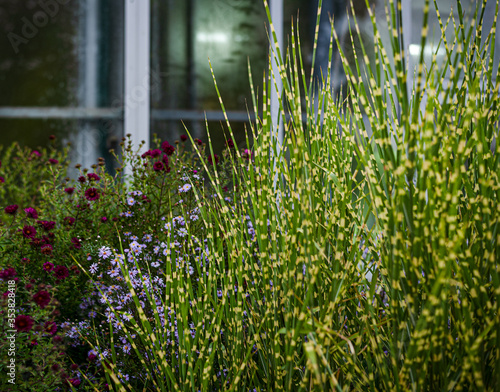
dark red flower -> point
(74, 366)
(29, 232)
(47, 225)
(52, 137)
(12, 209)
(36, 153)
(69, 220)
(158, 166)
(8, 273)
(199, 142)
(92, 194)
(76, 243)
(146, 154)
(82, 179)
(50, 327)
(57, 339)
(31, 213)
(247, 154)
(164, 158)
(23, 323)
(53, 161)
(55, 367)
(216, 159)
(2, 180)
(92, 357)
(25, 260)
(46, 249)
(167, 148)
(74, 381)
(42, 298)
(104, 219)
(184, 138)
(93, 177)
(69, 190)
(155, 153)
(230, 143)
(61, 272)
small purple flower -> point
(46, 249)
(104, 219)
(92, 194)
(12, 209)
(69, 190)
(31, 213)
(158, 166)
(48, 266)
(93, 177)
(69, 220)
(61, 272)
(29, 232)
(53, 161)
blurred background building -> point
(90, 71)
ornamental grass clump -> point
(361, 252)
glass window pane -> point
(185, 35)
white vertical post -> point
(88, 137)
(276, 8)
(137, 72)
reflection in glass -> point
(185, 35)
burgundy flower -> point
(53, 161)
(25, 260)
(155, 153)
(216, 159)
(199, 142)
(47, 225)
(57, 339)
(76, 243)
(164, 158)
(23, 323)
(50, 327)
(184, 138)
(42, 298)
(92, 194)
(74, 366)
(12, 209)
(61, 272)
(31, 213)
(46, 249)
(247, 154)
(92, 357)
(8, 273)
(146, 154)
(2, 180)
(69, 220)
(28, 286)
(167, 148)
(74, 381)
(69, 190)
(55, 367)
(158, 166)
(52, 137)
(36, 153)
(104, 219)
(230, 143)
(29, 232)
(82, 179)
(93, 177)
